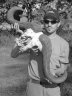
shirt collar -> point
(52, 35)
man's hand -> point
(59, 71)
(16, 27)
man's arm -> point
(64, 60)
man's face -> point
(51, 25)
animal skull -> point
(33, 41)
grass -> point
(13, 72)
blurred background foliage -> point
(36, 10)
(64, 8)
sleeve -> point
(64, 56)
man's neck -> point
(53, 35)
(49, 34)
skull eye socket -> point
(26, 37)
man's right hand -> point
(16, 27)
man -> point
(60, 47)
(39, 85)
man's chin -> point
(49, 31)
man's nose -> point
(49, 24)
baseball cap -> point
(52, 14)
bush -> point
(6, 39)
